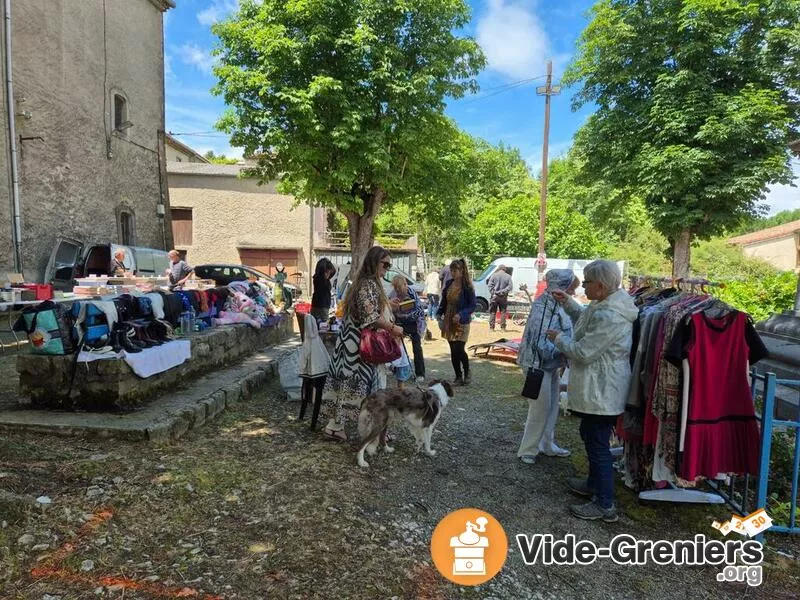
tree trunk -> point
(681, 253)
(361, 228)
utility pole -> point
(547, 90)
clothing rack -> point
(671, 492)
(676, 282)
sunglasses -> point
(386, 265)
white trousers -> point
(540, 427)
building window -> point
(182, 226)
(121, 119)
(126, 228)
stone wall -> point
(111, 385)
(76, 173)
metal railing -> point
(750, 492)
(341, 239)
(769, 423)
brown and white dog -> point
(420, 408)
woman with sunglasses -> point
(350, 378)
(454, 314)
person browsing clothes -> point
(408, 315)
(454, 314)
(500, 286)
(350, 378)
(321, 296)
(537, 351)
(600, 374)
(178, 271)
(433, 290)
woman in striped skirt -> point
(350, 378)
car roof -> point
(246, 267)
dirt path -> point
(256, 506)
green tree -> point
(344, 101)
(219, 159)
(696, 103)
(511, 227)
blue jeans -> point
(433, 305)
(596, 435)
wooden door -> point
(264, 260)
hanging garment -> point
(721, 431)
(314, 360)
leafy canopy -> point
(696, 102)
(344, 100)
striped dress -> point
(350, 379)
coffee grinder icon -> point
(469, 549)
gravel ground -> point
(257, 506)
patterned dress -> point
(350, 379)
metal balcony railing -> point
(341, 239)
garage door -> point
(265, 260)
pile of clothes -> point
(248, 302)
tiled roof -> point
(175, 143)
(779, 231)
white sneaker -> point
(528, 459)
(555, 450)
(420, 379)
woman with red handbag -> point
(368, 338)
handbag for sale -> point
(48, 326)
(378, 346)
(534, 376)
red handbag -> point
(378, 346)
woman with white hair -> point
(537, 351)
(600, 374)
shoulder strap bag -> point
(534, 376)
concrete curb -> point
(166, 418)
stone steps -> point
(166, 418)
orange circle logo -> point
(469, 546)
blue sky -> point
(517, 36)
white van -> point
(523, 270)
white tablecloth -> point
(150, 361)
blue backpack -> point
(91, 325)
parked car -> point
(342, 278)
(223, 274)
(73, 258)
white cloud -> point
(218, 10)
(514, 40)
(785, 197)
(169, 74)
(192, 54)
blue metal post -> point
(766, 439)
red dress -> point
(722, 434)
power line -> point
(503, 89)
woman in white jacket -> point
(600, 374)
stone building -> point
(219, 217)
(88, 109)
(779, 246)
(177, 151)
